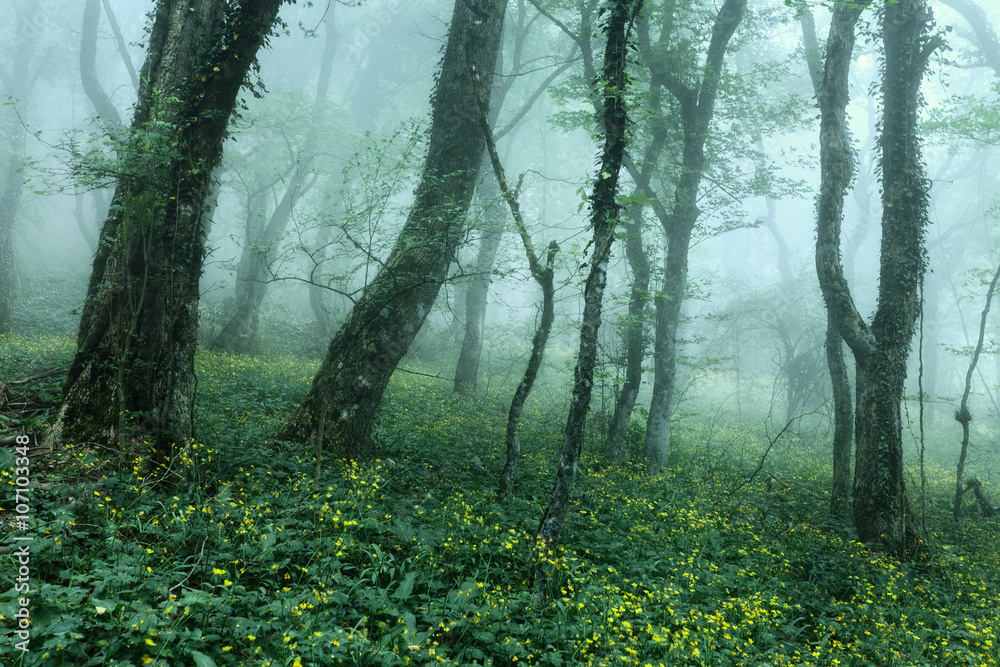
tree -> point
(842, 53)
(881, 512)
(604, 210)
(963, 415)
(337, 412)
(696, 108)
(132, 379)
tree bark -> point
(604, 217)
(340, 406)
(843, 421)
(132, 379)
(697, 107)
(843, 415)
(963, 415)
(881, 512)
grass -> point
(409, 561)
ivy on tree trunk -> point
(604, 217)
(132, 379)
(832, 91)
(881, 512)
(340, 407)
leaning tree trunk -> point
(881, 512)
(339, 409)
(697, 106)
(132, 379)
(604, 216)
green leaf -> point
(202, 660)
(405, 587)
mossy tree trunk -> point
(832, 91)
(132, 379)
(340, 407)
(881, 512)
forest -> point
(499, 332)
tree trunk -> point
(843, 421)
(346, 392)
(604, 216)
(697, 106)
(88, 67)
(881, 514)
(132, 379)
(317, 296)
(541, 338)
(239, 334)
(843, 414)
(635, 334)
(963, 415)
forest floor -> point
(409, 560)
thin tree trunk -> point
(317, 295)
(697, 107)
(544, 276)
(604, 216)
(843, 409)
(477, 292)
(120, 43)
(963, 415)
(635, 334)
(132, 380)
(88, 67)
(541, 338)
(383, 323)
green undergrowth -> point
(409, 560)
